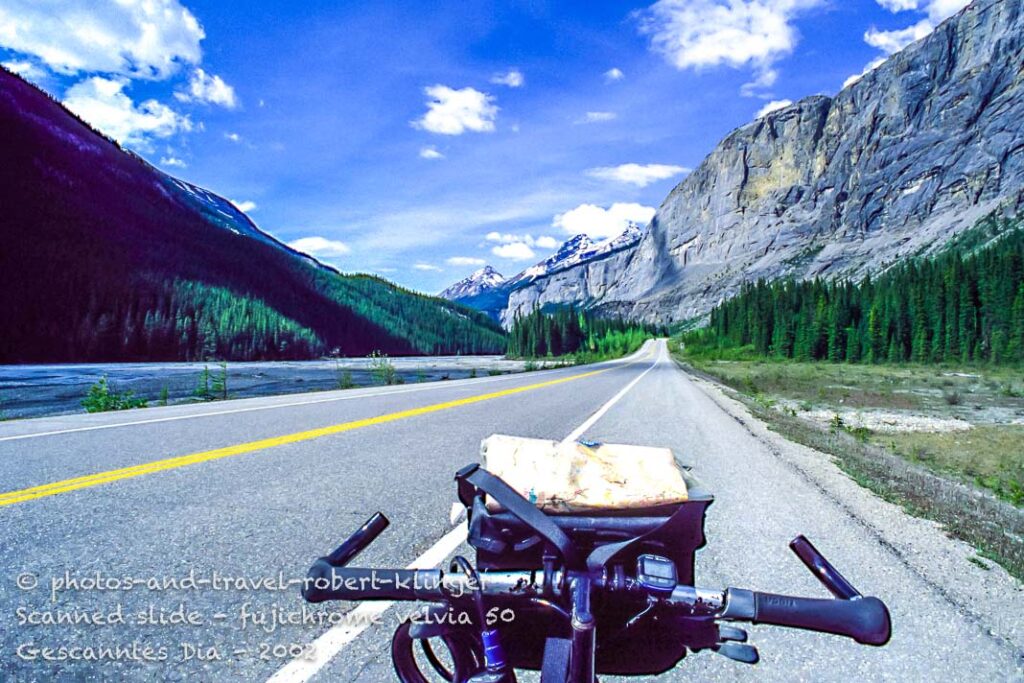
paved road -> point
(255, 489)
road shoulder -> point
(992, 598)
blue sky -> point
(420, 140)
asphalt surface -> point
(256, 517)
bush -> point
(382, 369)
(344, 376)
(952, 398)
(202, 391)
(102, 397)
(219, 382)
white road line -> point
(579, 431)
(330, 643)
(327, 646)
(173, 418)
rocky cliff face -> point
(488, 291)
(892, 166)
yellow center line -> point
(65, 485)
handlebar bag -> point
(598, 495)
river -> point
(39, 390)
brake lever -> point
(739, 652)
(731, 633)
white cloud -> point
(871, 66)
(937, 10)
(893, 41)
(640, 175)
(465, 261)
(208, 88)
(503, 238)
(427, 267)
(695, 34)
(26, 69)
(774, 105)
(515, 251)
(453, 112)
(597, 117)
(244, 206)
(430, 153)
(513, 79)
(600, 223)
(148, 39)
(103, 104)
(613, 74)
(763, 80)
(940, 10)
(320, 246)
(898, 5)
(173, 161)
(519, 247)
(542, 242)
(233, 137)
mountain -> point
(479, 282)
(105, 258)
(577, 250)
(484, 292)
(893, 166)
(481, 291)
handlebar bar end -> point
(357, 542)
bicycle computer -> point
(656, 574)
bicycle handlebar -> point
(866, 620)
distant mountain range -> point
(893, 166)
(105, 258)
(488, 291)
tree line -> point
(567, 331)
(104, 258)
(964, 305)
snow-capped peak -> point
(487, 276)
(575, 250)
(480, 281)
(578, 249)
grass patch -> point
(941, 476)
(990, 456)
(979, 563)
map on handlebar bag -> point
(567, 478)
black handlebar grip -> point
(866, 620)
(325, 582)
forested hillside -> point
(567, 331)
(967, 304)
(105, 258)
